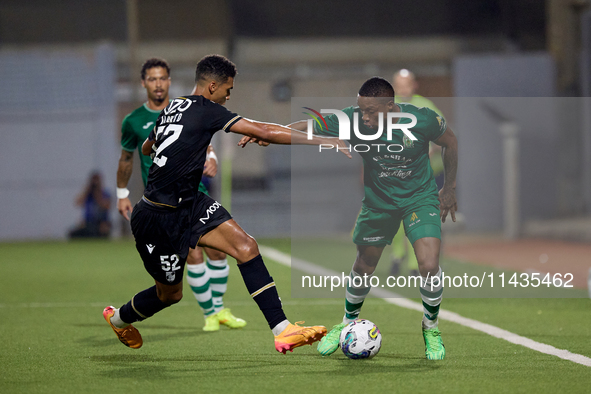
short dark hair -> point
(155, 62)
(376, 87)
(216, 67)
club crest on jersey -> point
(408, 143)
(170, 275)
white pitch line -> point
(55, 305)
(453, 317)
(35, 305)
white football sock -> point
(218, 281)
(116, 320)
(198, 279)
(278, 329)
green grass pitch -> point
(53, 337)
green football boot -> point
(211, 323)
(434, 349)
(330, 343)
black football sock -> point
(142, 305)
(262, 289)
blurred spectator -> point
(405, 85)
(96, 202)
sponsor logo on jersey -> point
(150, 247)
(147, 125)
(373, 239)
(394, 157)
(212, 208)
(408, 143)
(414, 219)
(398, 174)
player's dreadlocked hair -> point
(376, 87)
(215, 67)
(155, 62)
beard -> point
(159, 100)
(159, 96)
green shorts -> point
(378, 227)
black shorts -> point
(163, 236)
(207, 214)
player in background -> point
(208, 281)
(173, 215)
(405, 86)
(398, 187)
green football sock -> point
(355, 296)
(218, 281)
(198, 279)
(431, 294)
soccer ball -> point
(360, 339)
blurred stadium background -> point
(73, 72)
(513, 78)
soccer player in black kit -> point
(173, 215)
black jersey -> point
(182, 133)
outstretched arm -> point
(277, 134)
(300, 125)
(447, 194)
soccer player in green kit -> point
(399, 186)
(209, 280)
